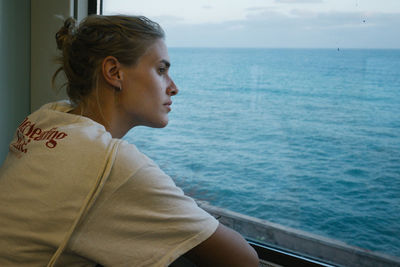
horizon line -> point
(265, 47)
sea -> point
(307, 138)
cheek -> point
(146, 92)
(155, 88)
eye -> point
(163, 67)
(162, 70)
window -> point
(287, 111)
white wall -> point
(46, 21)
(44, 26)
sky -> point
(271, 23)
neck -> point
(103, 110)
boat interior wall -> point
(14, 68)
(28, 52)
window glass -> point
(288, 111)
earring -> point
(119, 89)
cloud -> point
(207, 7)
(298, 1)
(236, 27)
(270, 28)
(261, 8)
(344, 19)
(168, 19)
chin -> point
(159, 124)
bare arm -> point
(224, 248)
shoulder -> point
(128, 165)
(130, 159)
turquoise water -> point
(306, 138)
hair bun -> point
(66, 32)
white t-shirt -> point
(140, 218)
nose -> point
(172, 89)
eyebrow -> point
(166, 62)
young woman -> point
(69, 181)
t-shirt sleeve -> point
(145, 221)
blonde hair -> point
(83, 48)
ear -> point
(111, 70)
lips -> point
(168, 105)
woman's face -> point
(147, 89)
